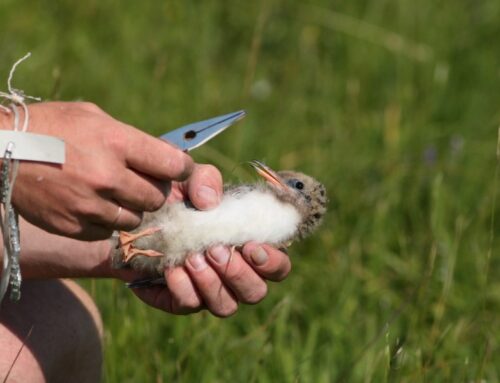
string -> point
(9, 223)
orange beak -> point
(268, 174)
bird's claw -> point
(126, 243)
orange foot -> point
(126, 240)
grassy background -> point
(395, 105)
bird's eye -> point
(296, 184)
(299, 185)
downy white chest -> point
(288, 206)
(241, 217)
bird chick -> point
(288, 206)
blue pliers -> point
(187, 138)
(191, 136)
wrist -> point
(7, 117)
(46, 255)
(5, 120)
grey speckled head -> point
(309, 196)
(304, 192)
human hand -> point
(217, 280)
(108, 164)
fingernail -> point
(208, 195)
(197, 261)
(259, 256)
(220, 254)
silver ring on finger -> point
(119, 212)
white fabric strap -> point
(32, 147)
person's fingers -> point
(237, 274)
(140, 192)
(156, 296)
(204, 187)
(114, 216)
(218, 299)
(90, 232)
(126, 219)
(185, 298)
(157, 158)
(180, 297)
(267, 261)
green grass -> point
(394, 105)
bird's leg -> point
(126, 240)
(132, 252)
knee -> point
(58, 329)
(85, 304)
(82, 337)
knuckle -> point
(236, 273)
(257, 294)
(279, 275)
(85, 208)
(184, 298)
(72, 230)
(188, 303)
(285, 268)
(115, 141)
(104, 180)
(226, 310)
(92, 213)
(210, 283)
(179, 165)
(75, 232)
(280, 269)
(89, 107)
(208, 170)
(89, 211)
(82, 232)
(132, 222)
(153, 200)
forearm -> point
(45, 255)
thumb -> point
(204, 187)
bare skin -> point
(110, 164)
(54, 334)
(215, 280)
